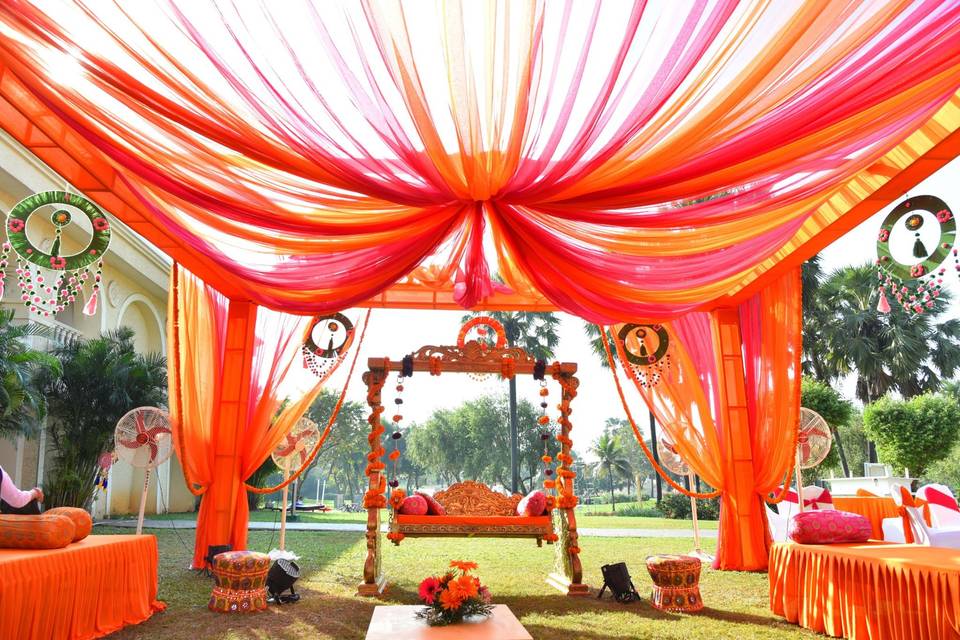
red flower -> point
(943, 215)
(485, 595)
(15, 225)
(917, 270)
(428, 589)
(884, 235)
(101, 224)
(58, 262)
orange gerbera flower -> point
(463, 565)
(467, 587)
(450, 599)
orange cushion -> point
(476, 520)
(82, 522)
(35, 532)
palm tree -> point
(22, 406)
(897, 351)
(537, 334)
(611, 461)
(101, 379)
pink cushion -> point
(434, 508)
(414, 506)
(829, 527)
(533, 504)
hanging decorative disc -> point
(50, 296)
(915, 282)
(327, 342)
(646, 348)
(487, 332)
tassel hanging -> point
(884, 305)
(1, 283)
(90, 308)
(919, 251)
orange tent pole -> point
(743, 540)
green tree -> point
(611, 462)
(343, 456)
(22, 405)
(101, 380)
(833, 408)
(912, 434)
(537, 334)
(621, 430)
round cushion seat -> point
(676, 582)
(240, 578)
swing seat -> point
(474, 511)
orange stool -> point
(241, 578)
(676, 583)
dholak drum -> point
(241, 578)
(676, 582)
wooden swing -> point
(473, 509)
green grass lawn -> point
(586, 517)
(737, 603)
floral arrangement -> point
(454, 596)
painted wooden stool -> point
(676, 582)
(241, 578)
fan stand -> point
(143, 499)
(697, 551)
(799, 475)
(283, 510)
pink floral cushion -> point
(414, 506)
(434, 508)
(533, 504)
(829, 526)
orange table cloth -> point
(86, 590)
(875, 509)
(868, 591)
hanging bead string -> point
(539, 374)
(405, 372)
(50, 298)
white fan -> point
(671, 460)
(144, 441)
(813, 444)
(292, 453)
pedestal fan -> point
(813, 445)
(291, 453)
(143, 440)
(671, 460)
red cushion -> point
(829, 526)
(414, 506)
(533, 504)
(434, 508)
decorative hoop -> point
(21, 213)
(948, 234)
(486, 321)
(646, 368)
(320, 359)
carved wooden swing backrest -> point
(469, 498)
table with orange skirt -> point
(870, 590)
(875, 509)
(86, 590)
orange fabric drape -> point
(88, 589)
(873, 508)
(231, 364)
(730, 401)
(870, 591)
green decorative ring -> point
(17, 231)
(948, 234)
(657, 356)
(328, 351)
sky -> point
(394, 333)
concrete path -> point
(356, 526)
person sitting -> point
(13, 500)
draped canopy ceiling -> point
(617, 161)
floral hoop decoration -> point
(51, 297)
(916, 285)
(646, 349)
(454, 596)
(327, 342)
(482, 324)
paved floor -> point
(356, 526)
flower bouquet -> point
(454, 596)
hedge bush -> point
(676, 506)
